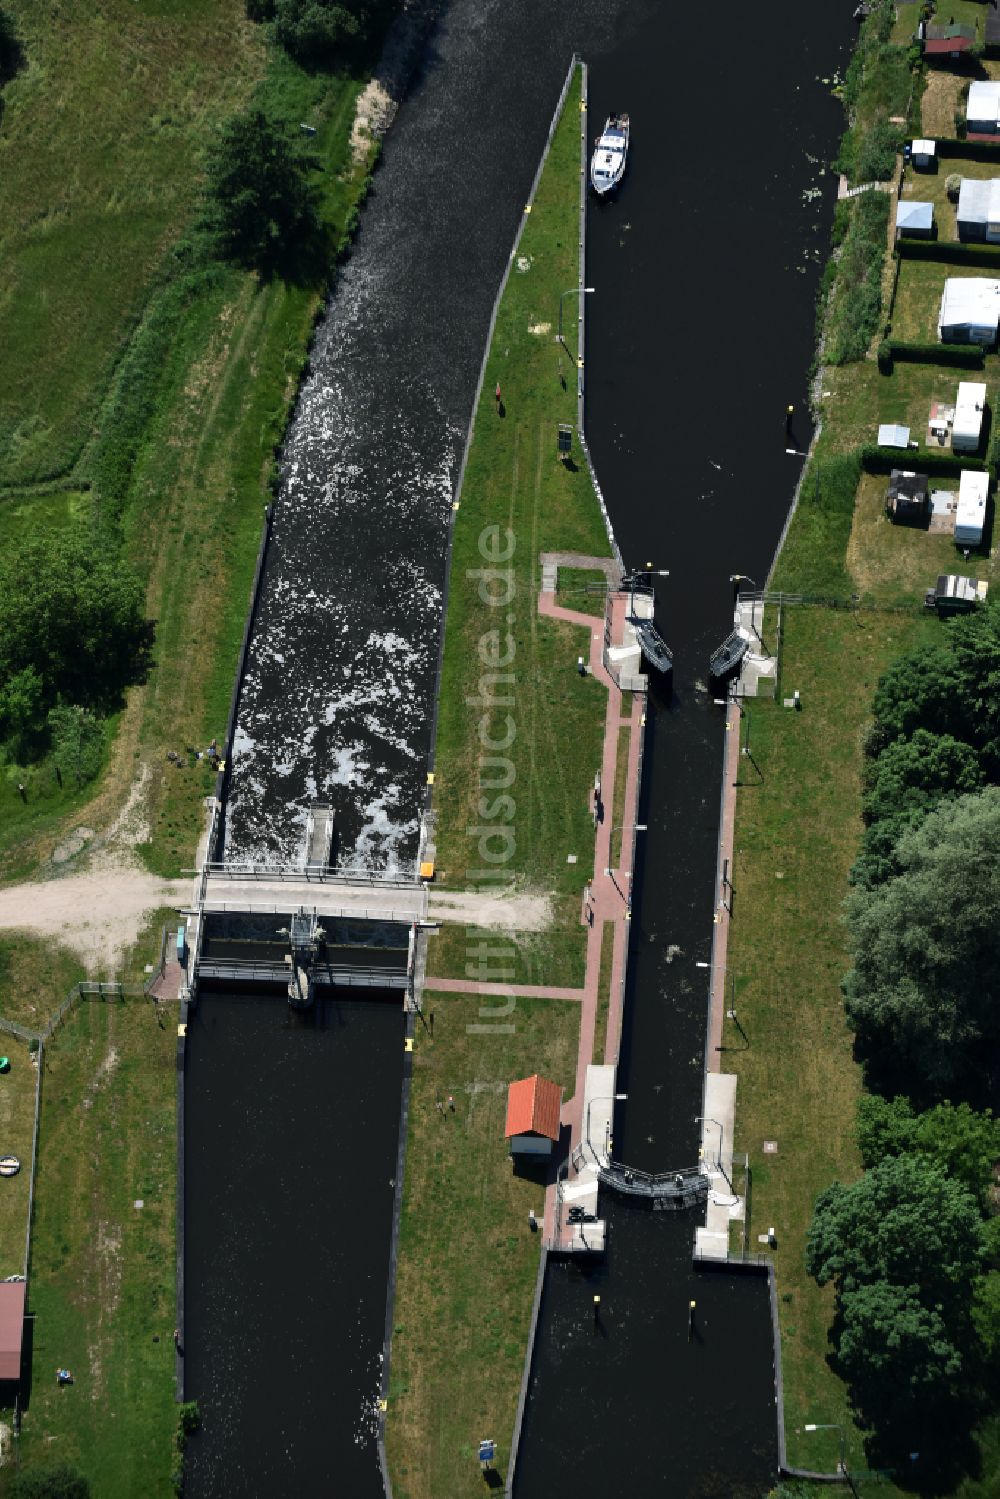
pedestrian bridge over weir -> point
(304, 927)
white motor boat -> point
(607, 165)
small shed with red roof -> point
(11, 1329)
(533, 1108)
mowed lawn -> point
(102, 1270)
(918, 297)
(17, 1118)
(468, 1260)
(893, 565)
(518, 501)
(797, 833)
(103, 135)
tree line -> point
(913, 1247)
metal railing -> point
(282, 874)
(681, 1188)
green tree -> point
(916, 773)
(11, 51)
(896, 1355)
(885, 1127)
(21, 698)
(927, 951)
(986, 1314)
(262, 206)
(315, 32)
(58, 1482)
(72, 625)
(904, 1222)
(964, 1143)
(922, 690)
(77, 740)
(906, 781)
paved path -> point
(529, 991)
(724, 894)
(608, 905)
(605, 905)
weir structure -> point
(302, 925)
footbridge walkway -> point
(304, 925)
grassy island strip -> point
(518, 501)
(467, 1261)
(810, 812)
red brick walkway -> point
(608, 901)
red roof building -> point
(533, 1108)
(11, 1328)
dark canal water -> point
(291, 1126)
(699, 335)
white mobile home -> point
(978, 211)
(970, 310)
(970, 408)
(970, 517)
(982, 113)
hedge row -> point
(956, 356)
(949, 252)
(951, 147)
(876, 460)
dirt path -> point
(506, 911)
(98, 914)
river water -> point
(699, 334)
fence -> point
(274, 875)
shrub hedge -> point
(951, 252)
(876, 460)
(956, 356)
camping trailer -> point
(970, 409)
(982, 112)
(970, 310)
(970, 517)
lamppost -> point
(603, 1098)
(705, 1119)
(731, 1011)
(736, 579)
(574, 291)
(834, 1426)
(638, 827)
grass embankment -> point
(17, 1119)
(468, 1260)
(166, 390)
(797, 832)
(798, 829)
(515, 482)
(101, 139)
(102, 1270)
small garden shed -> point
(533, 1108)
(951, 40)
(11, 1330)
(906, 502)
(923, 155)
(914, 220)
